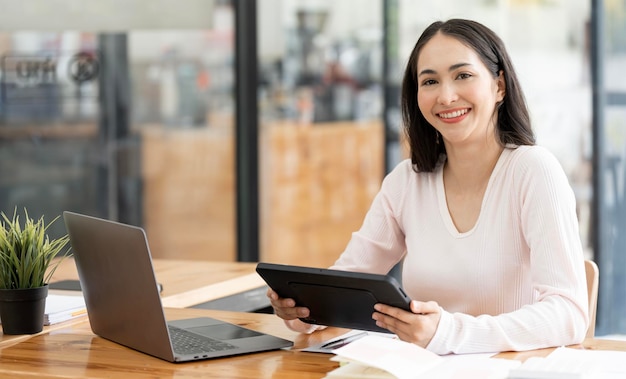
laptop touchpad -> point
(224, 332)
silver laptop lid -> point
(118, 282)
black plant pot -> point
(22, 309)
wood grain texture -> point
(317, 184)
(73, 351)
(189, 193)
(181, 277)
(185, 283)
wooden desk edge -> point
(98, 357)
(10, 340)
(213, 291)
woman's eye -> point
(464, 75)
(429, 82)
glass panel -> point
(149, 141)
(182, 81)
(612, 309)
(321, 131)
(49, 124)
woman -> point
(483, 220)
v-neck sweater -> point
(515, 281)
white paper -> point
(61, 308)
(401, 359)
(375, 357)
(569, 363)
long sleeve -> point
(515, 281)
(380, 243)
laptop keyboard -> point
(187, 343)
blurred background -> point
(261, 130)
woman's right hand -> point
(286, 309)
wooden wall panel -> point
(317, 184)
(189, 193)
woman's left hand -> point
(418, 326)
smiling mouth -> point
(453, 114)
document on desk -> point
(569, 363)
(375, 357)
(61, 308)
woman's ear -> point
(501, 83)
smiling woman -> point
(459, 96)
(483, 221)
(457, 86)
(452, 65)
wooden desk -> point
(185, 283)
(74, 351)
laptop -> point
(123, 302)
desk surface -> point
(185, 283)
(70, 349)
(74, 351)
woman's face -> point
(456, 93)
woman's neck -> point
(470, 167)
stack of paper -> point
(568, 363)
(61, 308)
(375, 357)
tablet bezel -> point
(339, 293)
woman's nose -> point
(447, 94)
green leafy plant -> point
(27, 255)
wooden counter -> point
(316, 184)
(185, 284)
(189, 193)
(74, 351)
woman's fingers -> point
(285, 308)
(417, 326)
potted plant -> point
(27, 262)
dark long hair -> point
(513, 124)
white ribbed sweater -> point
(516, 281)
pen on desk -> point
(343, 341)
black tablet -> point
(335, 298)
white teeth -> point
(453, 114)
